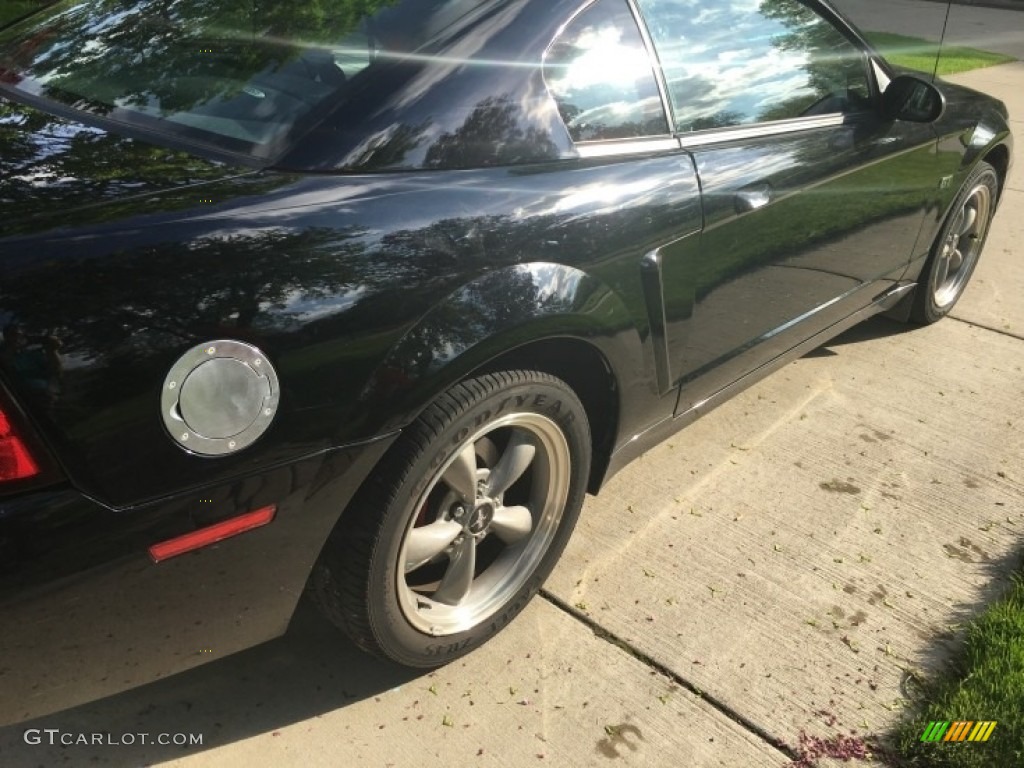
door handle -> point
(753, 197)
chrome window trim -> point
(655, 60)
(780, 127)
(615, 147)
(631, 146)
(647, 145)
(760, 130)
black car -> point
(364, 296)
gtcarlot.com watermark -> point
(57, 737)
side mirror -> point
(913, 99)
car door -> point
(812, 200)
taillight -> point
(16, 463)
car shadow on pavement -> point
(877, 327)
(309, 671)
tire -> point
(461, 523)
(957, 248)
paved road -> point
(991, 29)
(776, 568)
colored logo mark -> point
(959, 730)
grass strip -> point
(985, 681)
(917, 54)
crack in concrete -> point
(652, 663)
(1000, 331)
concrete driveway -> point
(787, 565)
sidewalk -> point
(994, 298)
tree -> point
(833, 65)
(491, 135)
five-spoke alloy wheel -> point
(483, 524)
(463, 521)
(958, 246)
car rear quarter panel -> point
(326, 275)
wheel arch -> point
(566, 323)
(999, 158)
(589, 374)
(990, 140)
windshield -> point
(242, 76)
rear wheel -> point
(958, 246)
(462, 522)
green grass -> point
(12, 9)
(917, 54)
(984, 682)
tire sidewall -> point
(927, 310)
(397, 637)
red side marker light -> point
(211, 534)
(16, 463)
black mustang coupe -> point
(364, 296)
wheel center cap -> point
(482, 517)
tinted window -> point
(601, 76)
(241, 76)
(733, 62)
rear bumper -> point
(85, 613)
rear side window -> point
(602, 78)
(737, 62)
